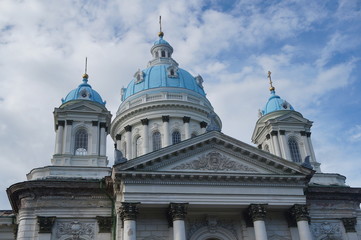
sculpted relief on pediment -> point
(214, 161)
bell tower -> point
(81, 125)
(284, 132)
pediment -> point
(84, 106)
(209, 153)
(292, 118)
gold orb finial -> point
(161, 33)
(85, 76)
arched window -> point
(163, 53)
(138, 146)
(81, 142)
(176, 137)
(295, 152)
(172, 72)
(157, 143)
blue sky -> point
(312, 49)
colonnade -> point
(177, 213)
(128, 143)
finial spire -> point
(160, 34)
(272, 88)
(85, 75)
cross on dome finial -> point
(272, 88)
(85, 75)
(160, 34)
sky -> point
(312, 48)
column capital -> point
(145, 121)
(61, 123)
(308, 134)
(129, 210)
(274, 133)
(203, 124)
(69, 122)
(128, 128)
(118, 137)
(299, 212)
(186, 119)
(282, 132)
(105, 224)
(257, 212)
(268, 136)
(103, 125)
(165, 118)
(349, 224)
(303, 133)
(177, 211)
(95, 123)
(46, 224)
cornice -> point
(333, 193)
(53, 188)
(210, 179)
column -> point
(103, 141)
(299, 213)
(275, 143)
(258, 214)
(94, 140)
(118, 139)
(67, 137)
(166, 130)
(145, 123)
(187, 131)
(177, 213)
(349, 224)
(271, 146)
(128, 213)
(284, 145)
(203, 126)
(128, 137)
(45, 227)
(59, 137)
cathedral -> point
(175, 175)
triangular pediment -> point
(83, 106)
(209, 153)
(291, 117)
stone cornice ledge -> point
(207, 178)
(333, 193)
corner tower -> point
(81, 125)
(163, 105)
(284, 132)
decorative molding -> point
(105, 224)
(46, 224)
(213, 226)
(326, 230)
(214, 161)
(349, 224)
(257, 212)
(268, 136)
(75, 229)
(299, 212)
(177, 211)
(129, 210)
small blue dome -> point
(275, 103)
(83, 92)
(160, 76)
(161, 41)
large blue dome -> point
(159, 76)
(83, 92)
(275, 103)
